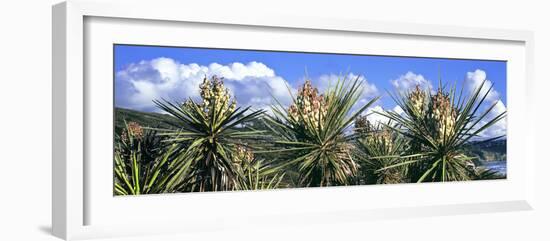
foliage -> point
(256, 174)
(320, 139)
(481, 173)
(314, 132)
(142, 165)
(146, 119)
(209, 134)
(438, 127)
(379, 141)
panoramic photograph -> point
(190, 119)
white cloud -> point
(370, 90)
(397, 109)
(472, 82)
(239, 71)
(140, 83)
(327, 80)
(497, 129)
(252, 84)
(499, 107)
(374, 117)
(409, 81)
(476, 79)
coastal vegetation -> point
(320, 139)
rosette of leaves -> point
(256, 174)
(482, 173)
(314, 135)
(379, 147)
(438, 127)
(143, 165)
(208, 132)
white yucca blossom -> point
(243, 155)
(375, 136)
(134, 131)
(381, 138)
(417, 99)
(212, 90)
(310, 104)
(441, 116)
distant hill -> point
(146, 119)
(488, 151)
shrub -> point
(439, 126)
(209, 133)
(314, 133)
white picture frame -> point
(75, 201)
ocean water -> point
(499, 166)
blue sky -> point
(143, 73)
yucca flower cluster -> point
(208, 131)
(375, 136)
(314, 135)
(441, 116)
(382, 138)
(437, 138)
(310, 104)
(134, 131)
(362, 125)
(213, 91)
(417, 98)
(243, 155)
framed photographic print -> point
(168, 123)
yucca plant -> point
(482, 173)
(209, 132)
(142, 165)
(315, 133)
(378, 140)
(256, 174)
(438, 127)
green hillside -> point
(488, 151)
(147, 119)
